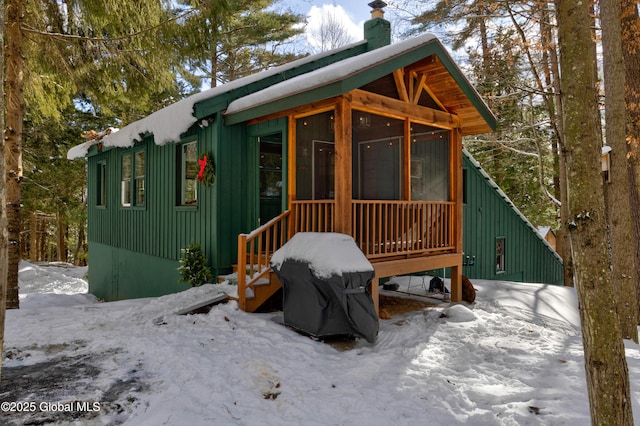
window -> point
(125, 182)
(430, 180)
(101, 184)
(500, 255)
(132, 185)
(188, 169)
(315, 157)
(139, 178)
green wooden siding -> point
(488, 215)
(158, 230)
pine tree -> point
(101, 53)
(244, 38)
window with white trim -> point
(132, 180)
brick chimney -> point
(377, 30)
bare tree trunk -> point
(14, 108)
(605, 362)
(63, 229)
(617, 192)
(630, 24)
(4, 241)
(557, 119)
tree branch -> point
(62, 36)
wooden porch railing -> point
(312, 215)
(380, 228)
(254, 252)
(402, 228)
(384, 228)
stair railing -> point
(255, 250)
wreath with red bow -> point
(207, 174)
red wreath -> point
(202, 163)
(206, 174)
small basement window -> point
(500, 255)
(188, 174)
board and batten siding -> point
(489, 215)
(153, 233)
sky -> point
(513, 357)
(351, 13)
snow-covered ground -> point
(514, 357)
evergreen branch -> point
(61, 36)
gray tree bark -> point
(617, 191)
(605, 362)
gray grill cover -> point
(325, 306)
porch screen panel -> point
(429, 163)
(314, 157)
(377, 159)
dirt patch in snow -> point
(68, 388)
(396, 305)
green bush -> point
(194, 268)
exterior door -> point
(271, 177)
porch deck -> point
(398, 237)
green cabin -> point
(499, 241)
(364, 140)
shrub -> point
(194, 268)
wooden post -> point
(242, 271)
(343, 166)
(457, 197)
(291, 174)
(406, 161)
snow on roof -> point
(327, 253)
(167, 124)
(543, 230)
(329, 74)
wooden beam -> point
(406, 161)
(416, 264)
(375, 103)
(457, 196)
(457, 190)
(309, 109)
(343, 166)
(291, 156)
(427, 89)
(398, 76)
(418, 90)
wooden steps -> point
(258, 290)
